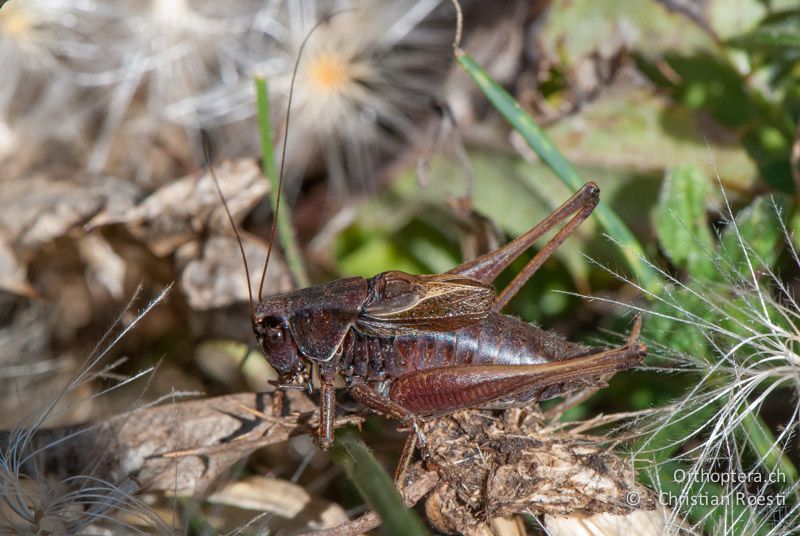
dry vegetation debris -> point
(498, 465)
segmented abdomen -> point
(498, 339)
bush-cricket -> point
(414, 346)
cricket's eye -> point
(276, 343)
(273, 337)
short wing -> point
(403, 304)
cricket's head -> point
(271, 328)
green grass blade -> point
(374, 485)
(658, 470)
(707, 503)
(762, 441)
(285, 229)
(550, 155)
(769, 38)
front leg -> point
(327, 408)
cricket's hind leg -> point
(444, 390)
(369, 397)
(487, 267)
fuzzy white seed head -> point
(160, 54)
(365, 75)
(738, 338)
(38, 38)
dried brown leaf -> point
(281, 498)
(153, 151)
(508, 526)
(183, 210)
(8, 141)
(213, 276)
(106, 269)
(181, 447)
(13, 275)
(39, 208)
(639, 522)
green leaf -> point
(661, 445)
(374, 485)
(794, 229)
(550, 155)
(377, 254)
(579, 28)
(680, 337)
(754, 241)
(507, 180)
(680, 222)
(728, 20)
(769, 38)
(639, 129)
(706, 81)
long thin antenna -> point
(319, 23)
(207, 156)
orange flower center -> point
(13, 22)
(329, 72)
